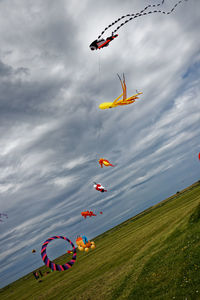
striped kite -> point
(52, 265)
(101, 43)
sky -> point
(52, 132)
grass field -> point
(154, 255)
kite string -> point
(99, 63)
(128, 15)
(147, 13)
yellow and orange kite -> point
(105, 162)
(84, 244)
(124, 100)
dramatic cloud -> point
(52, 132)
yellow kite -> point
(124, 101)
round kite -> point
(52, 265)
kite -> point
(100, 43)
(84, 244)
(69, 252)
(50, 264)
(101, 213)
(85, 240)
(199, 155)
(3, 215)
(124, 100)
(99, 187)
(33, 251)
(105, 162)
(87, 213)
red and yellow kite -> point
(105, 162)
(87, 213)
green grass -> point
(154, 255)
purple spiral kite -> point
(49, 263)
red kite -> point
(87, 213)
(105, 162)
(98, 44)
(99, 187)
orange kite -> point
(105, 162)
(87, 213)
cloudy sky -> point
(52, 132)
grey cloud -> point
(53, 133)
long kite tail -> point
(129, 15)
(141, 13)
(147, 13)
(123, 84)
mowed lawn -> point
(155, 255)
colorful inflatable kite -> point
(99, 187)
(87, 213)
(124, 100)
(100, 43)
(105, 162)
(84, 244)
(50, 264)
